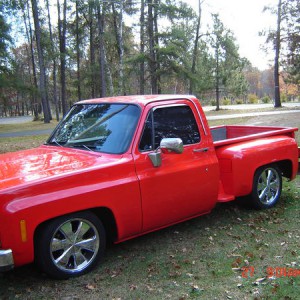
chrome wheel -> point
(74, 245)
(267, 185)
(70, 245)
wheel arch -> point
(104, 214)
(244, 185)
(108, 220)
(286, 168)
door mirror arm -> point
(155, 157)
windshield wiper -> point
(54, 142)
(87, 148)
(81, 146)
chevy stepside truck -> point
(120, 167)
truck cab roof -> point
(141, 100)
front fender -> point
(25, 208)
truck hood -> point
(31, 165)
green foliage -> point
(227, 64)
(226, 102)
(292, 58)
(203, 80)
(237, 83)
(283, 97)
(290, 44)
(213, 102)
(5, 40)
(217, 54)
(176, 11)
(252, 99)
(239, 101)
(266, 99)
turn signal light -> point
(23, 230)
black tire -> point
(267, 186)
(70, 245)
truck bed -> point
(231, 134)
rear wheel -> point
(70, 245)
(267, 186)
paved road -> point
(25, 133)
(252, 114)
(252, 106)
(15, 120)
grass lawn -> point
(19, 143)
(34, 125)
(233, 253)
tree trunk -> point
(118, 24)
(78, 53)
(277, 43)
(92, 49)
(62, 27)
(109, 76)
(142, 48)
(54, 64)
(100, 19)
(195, 51)
(152, 59)
(217, 77)
(35, 104)
(43, 86)
(155, 17)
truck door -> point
(185, 185)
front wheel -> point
(267, 186)
(70, 245)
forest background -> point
(56, 52)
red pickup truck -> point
(116, 168)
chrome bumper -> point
(6, 260)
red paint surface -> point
(40, 184)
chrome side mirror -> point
(169, 145)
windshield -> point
(99, 127)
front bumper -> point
(6, 260)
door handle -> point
(201, 150)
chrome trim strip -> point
(200, 117)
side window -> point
(169, 122)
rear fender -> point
(239, 162)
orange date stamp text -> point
(272, 272)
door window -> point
(169, 122)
